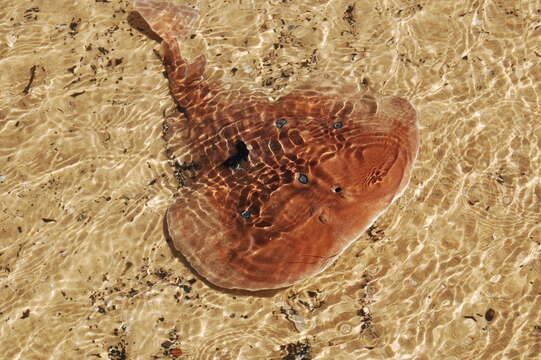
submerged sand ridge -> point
(450, 270)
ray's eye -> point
(337, 125)
(337, 189)
(303, 179)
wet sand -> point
(451, 271)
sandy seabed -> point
(451, 271)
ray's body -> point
(279, 189)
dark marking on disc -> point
(280, 123)
(240, 155)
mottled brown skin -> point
(263, 203)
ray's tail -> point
(171, 22)
(174, 23)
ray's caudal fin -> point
(173, 24)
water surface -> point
(452, 270)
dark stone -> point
(490, 314)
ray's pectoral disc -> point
(281, 188)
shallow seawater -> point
(451, 271)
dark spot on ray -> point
(303, 179)
(241, 155)
(280, 123)
(246, 214)
(337, 125)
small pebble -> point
(489, 315)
